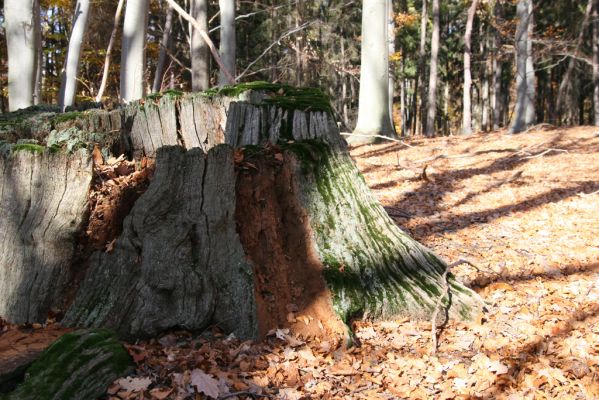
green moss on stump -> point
(30, 147)
(79, 366)
(284, 96)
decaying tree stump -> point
(275, 228)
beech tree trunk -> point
(467, 101)
(227, 39)
(524, 112)
(133, 53)
(68, 84)
(164, 45)
(431, 107)
(373, 109)
(21, 20)
(200, 56)
(596, 61)
(190, 248)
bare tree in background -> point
(68, 84)
(431, 112)
(227, 39)
(373, 110)
(21, 19)
(133, 55)
(525, 86)
(467, 102)
(200, 56)
(164, 45)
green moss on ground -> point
(78, 366)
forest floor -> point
(522, 210)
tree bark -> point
(21, 19)
(524, 112)
(391, 40)
(164, 44)
(564, 95)
(200, 53)
(418, 88)
(133, 54)
(117, 18)
(189, 247)
(431, 106)
(596, 62)
(68, 84)
(373, 109)
(467, 101)
(227, 39)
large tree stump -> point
(275, 228)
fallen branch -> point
(245, 393)
(437, 308)
(379, 137)
(543, 153)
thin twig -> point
(379, 137)
(543, 153)
(245, 393)
(436, 312)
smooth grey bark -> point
(524, 111)
(164, 44)
(564, 94)
(68, 84)
(467, 100)
(596, 61)
(133, 54)
(21, 19)
(115, 27)
(531, 90)
(200, 53)
(227, 40)
(391, 39)
(373, 109)
(431, 106)
(419, 87)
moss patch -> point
(284, 96)
(80, 365)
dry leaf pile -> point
(522, 210)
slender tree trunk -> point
(227, 39)
(419, 88)
(496, 85)
(68, 84)
(21, 20)
(373, 111)
(467, 101)
(530, 71)
(115, 27)
(523, 62)
(164, 44)
(488, 71)
(200, 57)
(391, 39)
(37, 89)
(432, 88)
(565, 87)
(596, 61)
(133, 55)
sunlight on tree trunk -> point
(133, 55)
(227, 39)
(164, 44)
(373, 110)
(68, 85)
(115, 27)
(524, 112)
(467, 102)
(432, 88)
(200, 57)
(22, 40)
